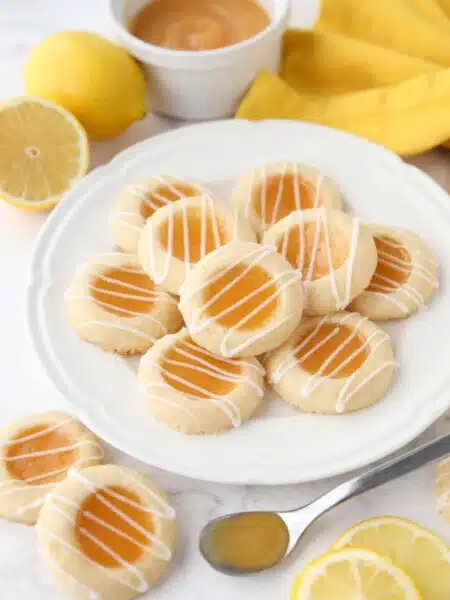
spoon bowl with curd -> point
(250, 542)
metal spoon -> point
(245, 534)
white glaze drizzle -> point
(279, 196)
(157, 548)
(260, 176)
(123, 217)
(389, 289)
(142, 190)
(321, 226)
(316, 379)
(137, 293)
(281, 281)
(319, 184)
(202, 365)
(209, 217)
(13, 486)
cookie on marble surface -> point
(271, 192)
(138, 201)
(113, 304)
(107, 532)
(334, 253)
(180, 234)
(333, 364)
(36, 453)
(405, 277)
(243, 299)
(196, 392)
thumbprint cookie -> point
(271, 192)
(443, 488)
(180, 234)
(335, 255)
(112, 303)
(243, 299)
(405, 277)
(138, 201)
(196, 392)
(35, 454)
(333, 364)
(107, 532)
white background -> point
(24, 388)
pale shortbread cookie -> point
(333, 364)
(243, 299)
(35, 454)
(107, 532)
(180, 234)
(405, 277)
(196, 392)
(271, 192)
(112, 303)
(443, 488)
(333, 252)
(138, 201)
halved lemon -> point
(353, 574)
(43, 151)
(419, 552)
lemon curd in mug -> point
(199, 24)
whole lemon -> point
(93, 78)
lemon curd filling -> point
(332, 338)
(279, 195)
(198, 24)
(194, 371)
(193, 236)
(112, 523)
(393, 266)
(248, 542)
(252, 286)
(304, 248)
(123, 291)
(33, 456)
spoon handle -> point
(410, 461)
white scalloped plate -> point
(279, 446)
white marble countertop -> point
(25, 389)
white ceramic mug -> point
(206, 84)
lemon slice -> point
(353, 574)
(43, 151)
(419, 552)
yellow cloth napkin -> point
(377, 68)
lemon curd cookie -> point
(405, 277)
(35, 454)
(333, 364)
(334, 253)
(193, 391)
(107, 532)
(112, 303)
(138, 201)
(271, 192)
(243, 299)
(443, 488)
(180, 234)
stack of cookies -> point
(275, 288)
